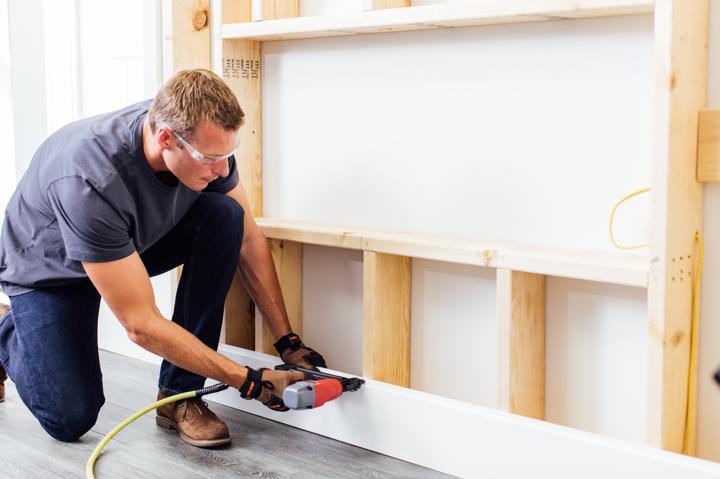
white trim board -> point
(466, 440)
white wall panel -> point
(596, 357)
(526, 133)
(454, 332)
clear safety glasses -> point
(198, 155)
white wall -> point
(7, 125)
(7, 130)
(525, 133)
(28, 78)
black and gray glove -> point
(267, 385)
(292, 351)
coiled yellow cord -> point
(612, 216)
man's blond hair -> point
(191, 96)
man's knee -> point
(228, 214)
(72, 422)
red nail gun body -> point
(318, 389)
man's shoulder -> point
(113, 125)
(93, 146)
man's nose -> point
(221, 168)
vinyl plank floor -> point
(260, 449)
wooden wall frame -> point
(681, 30)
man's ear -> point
(164, 137)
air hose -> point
(168, 400)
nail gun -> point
(318, 389)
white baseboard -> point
(466, 440)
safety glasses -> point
(198, 155)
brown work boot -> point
(4, 308)
(196, 424)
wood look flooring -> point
(260, 449)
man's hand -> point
(267, 386)
(292, 351)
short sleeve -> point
(92, 229)
(227, 183)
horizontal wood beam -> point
(433, 17)
(611, 268)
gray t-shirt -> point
(89, 194)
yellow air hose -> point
(89, 472)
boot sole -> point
(204, 443)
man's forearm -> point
(257, 270)
(178, 346)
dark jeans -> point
(48, 341)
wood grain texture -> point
(276, 9)
(239, 324)
(287, 256)
(240, 68)
(631, 270)
(383, 4)
(462, 14)
(681, 29)
(708, 162)
(521, 342)
(190, 34)
(236, 11)
(386, 317)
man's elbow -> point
(137, 329)
(138, 336)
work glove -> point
(292, 351)
(267, 386)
